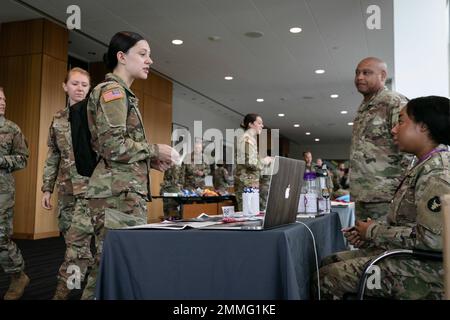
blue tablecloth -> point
(213, 264)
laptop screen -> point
(284, 192)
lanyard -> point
(421, 159)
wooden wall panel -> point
(53, 99)
(56, 41)
(22, 38)
(32, 83)
(21, 80)
(159, 88)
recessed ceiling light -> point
(228, 78)
(334, 96)
(177, 42)
(319, 71)
(350, 123)
(254, 34)
(316, 139)
(344, 112)
(214, 38)
(296, 125)
(259, 100)
(308, 133)
(281, 114)
(295, 30)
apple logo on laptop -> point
(286, 193)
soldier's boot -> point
(61, 292)
(19, 281)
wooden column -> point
(33, 64)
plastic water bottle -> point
(250, 201)
(308, 196)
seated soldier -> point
(414, 220)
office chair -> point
(418, 254)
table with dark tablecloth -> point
(215, 264)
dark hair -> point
(434, 112)
(121, 41)
(249, 118)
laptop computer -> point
(282, 199)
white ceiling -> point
(278, 67)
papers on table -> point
(175, 225)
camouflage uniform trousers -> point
(78, 237)
(264, 182)
(66, 206)
(126, 209)
(372, 210)
(400, 277)
(11, 259)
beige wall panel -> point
(53, 99)
(21, 79)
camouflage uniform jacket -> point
(415, 217)
(191, 180)
(118, 137)
(221, 178)
(375, 162)
(248, 164)
(13, 153)
(60, 163)
(173, 179)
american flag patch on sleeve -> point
(112, 95)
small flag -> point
(112, 95)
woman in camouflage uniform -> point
(248, 163)
(414, 220)
(60, 169)
(120, 184)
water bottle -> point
(250, 201)
(308, 196)
(324, 191)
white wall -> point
(421, 42)
(186, 111)
(324, 151)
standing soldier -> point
(60, 168)
(13, 156)
(172, 183)
(196, 171)
(248, 163)
(376, 165)
(120, 184)
(221, 179)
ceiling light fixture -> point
(296, 125)
(281, 114)
(228, 78)
(259, 100)
(350, 123)
(295, 30)
(319, 71)
(308, 133)
(177, 42)
(316, 139)
(334, 96)
(344, 112)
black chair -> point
(416, 254)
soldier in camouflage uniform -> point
(172, 183)
(221, 179)
(248, 168)
(376, 166)
(13, 156)
(414, 220)
(120, 184)
(60, 168)
(196, 171)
